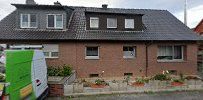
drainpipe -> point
(147, 63)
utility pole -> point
(185, 13)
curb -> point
(128, 92)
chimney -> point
(104, 6)
(57, 3)
(30, 2)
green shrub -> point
(100, 82)
(178, 80)
(161, 77)
(140, 80)
(65, 70)
(2, 77)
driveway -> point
(194, 95)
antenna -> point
(185, 13)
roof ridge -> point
(118, 8)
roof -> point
(160, 25)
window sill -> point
(128, 57)
(28, 27)
(111, 27)
(129, 28)
(171, 61)
(92, 58)
(53, 28)
(51, 57)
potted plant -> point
(99, 84)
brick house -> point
(199, 28)
(109, 41)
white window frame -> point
(50, 52)
(94, 18)
(108, 22)
(50, 56)
(91, 57)
(134, 51)
(29, 19)
(55, 22)
(173, 59)
(132, 27)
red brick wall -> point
(114, 65)
(189, 66)
(199, 28)
(56, 89)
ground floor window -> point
(170, 52)
(92, 53)
(51, 50)
(128, 52)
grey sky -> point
(195, 7)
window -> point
(28, 21)
(55, 21)
(51, 50)
(170, 53)
(111, 23)
(128, 52)
(129, 23)
(92, 53)
(94, 22)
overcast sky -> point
(176, 7)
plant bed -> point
(140, 82)
(136, 84)
(97, 86)
(177, 83)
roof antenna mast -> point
(185, 13)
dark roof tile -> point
(160, 25)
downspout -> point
(147, 57)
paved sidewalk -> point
(192, 95)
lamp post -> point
(185, 13)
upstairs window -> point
(55, 21)
(129, 23)
(92, 53)
(94, 22)
(28, 21)
(128, 52)
(111, 23)
(170, 53)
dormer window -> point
(111, 23)
(55, 21)
(129, 23)
(28, 21)
(94, 22)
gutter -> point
(147, 57)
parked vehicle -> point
(23, 75)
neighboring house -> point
(199, 28)
(110, 41)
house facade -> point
(111, 42)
